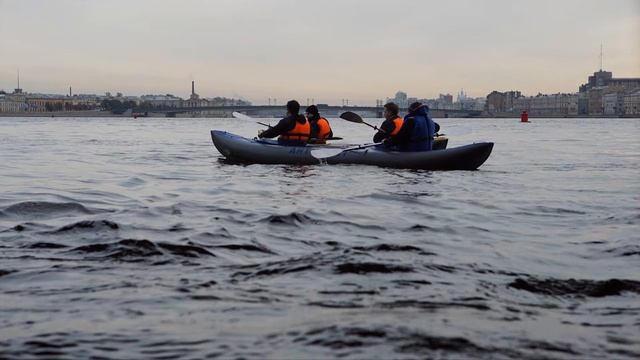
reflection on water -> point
(133, 239)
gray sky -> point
(324, 49)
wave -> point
(290, 219)
(627, 250)
(6, 272)
(576, 288)
(370, 267)
(301, 219)
(45, 245)
(246, 247)
(133, 250)
(47, 209)
(88, 225)
(393, 248)
(403, 340)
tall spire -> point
(601, 56)
(18, 90)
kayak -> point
(238, 149)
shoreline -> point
(104, 114)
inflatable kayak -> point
(239, 149)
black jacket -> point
(283, 126)
(403, 137)
(387, 126)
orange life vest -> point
(323, 129)
(398, 124)
(300, 132)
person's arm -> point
(281, 127)
(387, 128)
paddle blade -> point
(241, 116)
(352, 117)
(325, 153)
(456, 131)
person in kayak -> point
(320, 128)
(391, 125)
(418, 130)
(293, 130)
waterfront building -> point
(162, 101)
(600, 84)
(86, 101)
(14, 102)
(552, 104)
(47, 102)
(9, 104)
(500, 102)
(594, 101)
(631, 103)
(613, 103)
(559, 104)
(495, 102)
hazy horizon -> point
(328, 51)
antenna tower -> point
(601, 56)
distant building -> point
(631, 103)
(194, 100)
(613, 103)
(14, 102)
(500, 102)
(400, 99)
(47, 102)
(445, 99)
(161, 101)
(512, 103)
(604, 95)
(606, 79)
(553, 105)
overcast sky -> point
(324, 49)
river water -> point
(123, 238)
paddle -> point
(355, 118)
(242, 116)
(327, 153)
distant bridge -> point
(266, 111)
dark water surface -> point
(124, 238)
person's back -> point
(292, 130)
(320, 128)
(418, 130)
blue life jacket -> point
(423, 130)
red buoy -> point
(524, 117)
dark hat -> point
(312, 110)
(415, 106)
(293, 107)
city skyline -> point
(328, 52)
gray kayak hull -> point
(239, 149)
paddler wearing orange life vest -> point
(320, 128)
(391, 125)
(293, 130)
